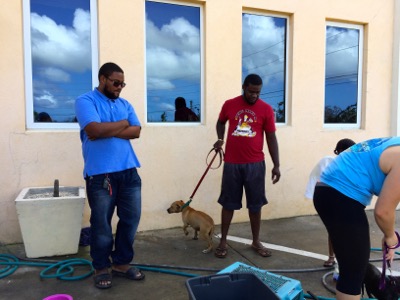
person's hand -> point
(92, 138)
(276, 175)
(218, 144)
(391, 243)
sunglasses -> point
(117, 83)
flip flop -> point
(262, 251)
(329, 263)
(221, 252)
(132, 274)
(100, 279)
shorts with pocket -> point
(251, 178)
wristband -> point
(395, 246)
(220, 140)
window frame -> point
(359, 102)
(202, 76)
(286, 57)
(29, 107)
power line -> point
(342, 49)
(262, 50)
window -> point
(264, 44)
(343, 69)
(173, 61)
(60, 59)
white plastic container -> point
(50, 226)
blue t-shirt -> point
(105, 155)
(356, 173)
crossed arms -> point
(120, 129)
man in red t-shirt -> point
(244, 166)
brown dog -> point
(198, 220)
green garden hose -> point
(62, 270)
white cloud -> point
(342, 51)
(56, 45)
(155, 83)
(69, 102)
(173, 52)
(55, 74)
(46, 99)
(166, 106)
(263, 45)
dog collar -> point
(186, 204)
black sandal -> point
(330, 262)
(103, 280)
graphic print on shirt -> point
(367, 145)
(245, 119)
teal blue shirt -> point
(105, 155)
(356, 172)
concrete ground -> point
(169, 259)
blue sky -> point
(173, 58)
(263, 53)
(342, 59)
(61, 55)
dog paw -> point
(205, 251)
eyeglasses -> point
(117, 83)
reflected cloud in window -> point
(60, 57)
(173, 59)
(343, 74)
(264, 42)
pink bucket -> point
(59, 297)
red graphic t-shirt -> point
(247, 124)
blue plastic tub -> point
(232, 286)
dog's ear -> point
(180, 204)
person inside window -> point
(44, 117)
(183, 113)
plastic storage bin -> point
(233, 286)
(284, 287)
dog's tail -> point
(211, 233)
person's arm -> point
(96, 130)
(220, 134)
(385, 208)
(132, 132)
(272, 143)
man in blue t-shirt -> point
(107, 124)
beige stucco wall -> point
(173, 157)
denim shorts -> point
(251, 178)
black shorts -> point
(348, 228)
(249, 176)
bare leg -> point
(330, 247)
(331, 260)
(226, 218)
(255, 222)
(342, 296)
